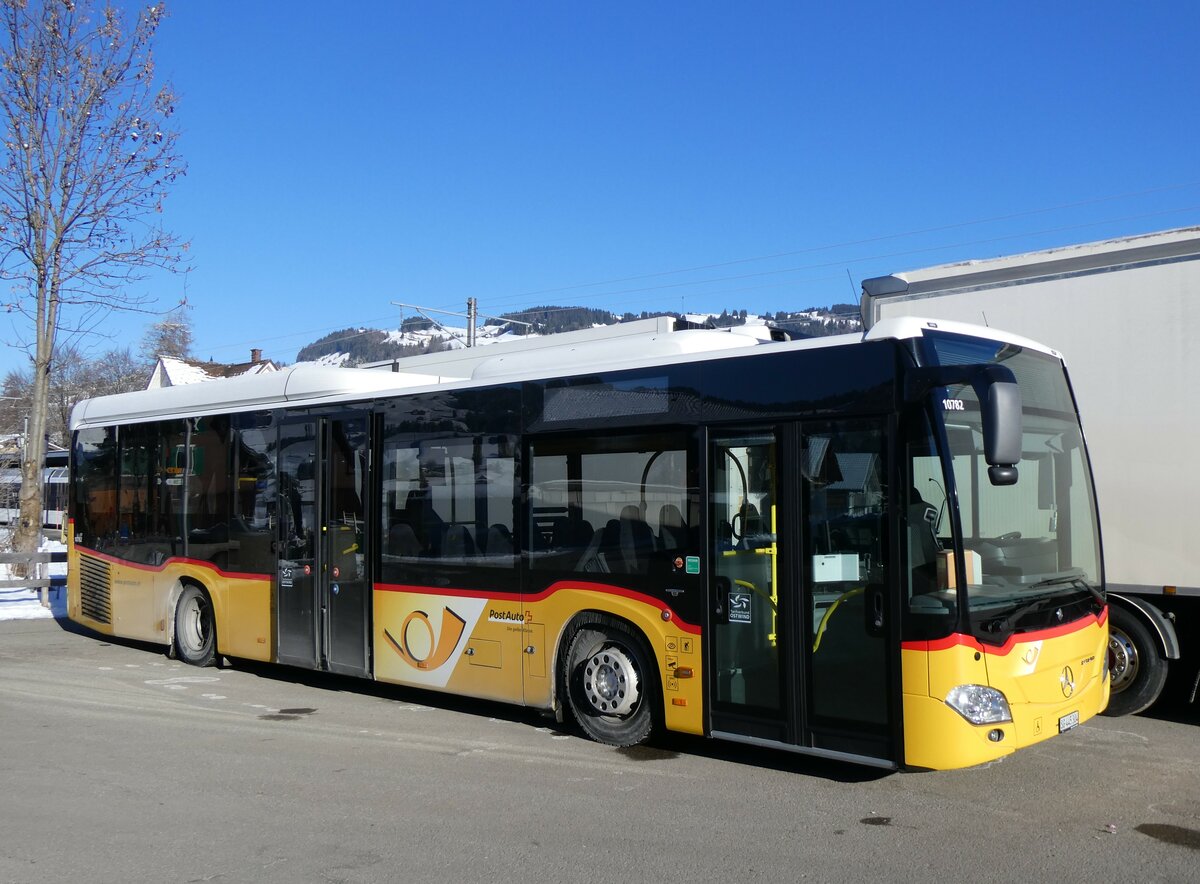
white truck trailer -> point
(1126, 315)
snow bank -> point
(25, 604)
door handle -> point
(876, 609)
(723, 587)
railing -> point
(38, 563)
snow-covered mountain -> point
(355, 346)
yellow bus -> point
(877, 548)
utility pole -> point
(472, 316)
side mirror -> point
(1000, 399)
(1000, 406)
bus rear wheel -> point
(195, 631)
(609, 685)
(1138, 673)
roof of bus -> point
(644, 344)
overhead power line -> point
(840, 262)
(698, 284)
(866, 241)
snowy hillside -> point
(351, 347)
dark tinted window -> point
(94, 504)
(826, 380)
(153, 468)
(606, 399)
(251, 526)
(1039, 375)
(209, 484)
(639, 397)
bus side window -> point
(930, 608)
(450, 501)
(608, 504)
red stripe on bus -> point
(173, 560)
(1015, 639)
(586, 586)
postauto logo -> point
(417, 645)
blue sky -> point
(345, 156)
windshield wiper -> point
(1009, 621)
(1075, 581)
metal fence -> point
(38, 568)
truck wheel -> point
(195, 631)
(609, 686)
(1137, 671)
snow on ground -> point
(25, 604)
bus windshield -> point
(1032, 549)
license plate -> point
(1068, 721)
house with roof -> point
(171, 371)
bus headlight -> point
(979, 704)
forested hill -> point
(354, 346)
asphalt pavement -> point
(118, 764)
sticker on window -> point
(739, 607)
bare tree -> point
(69, 382)
(14, 394)
(170, 336)
(14, 398)
(117, 371)
(88, 157)
(74, 378)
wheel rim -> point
(610, 682)
(1122, 659)
(194, 629)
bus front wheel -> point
(1137, 671)
(195, 631)
(609, 685)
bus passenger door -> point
(296, 587)
(802, 644)
(322, 603)
(751, 689)
(344, 590)
(850, 630)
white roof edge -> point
(311, 383)
(462, 362)
(903, 327)
(308, 383)
(1058, 253)
(301, 382)
(608, 354)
